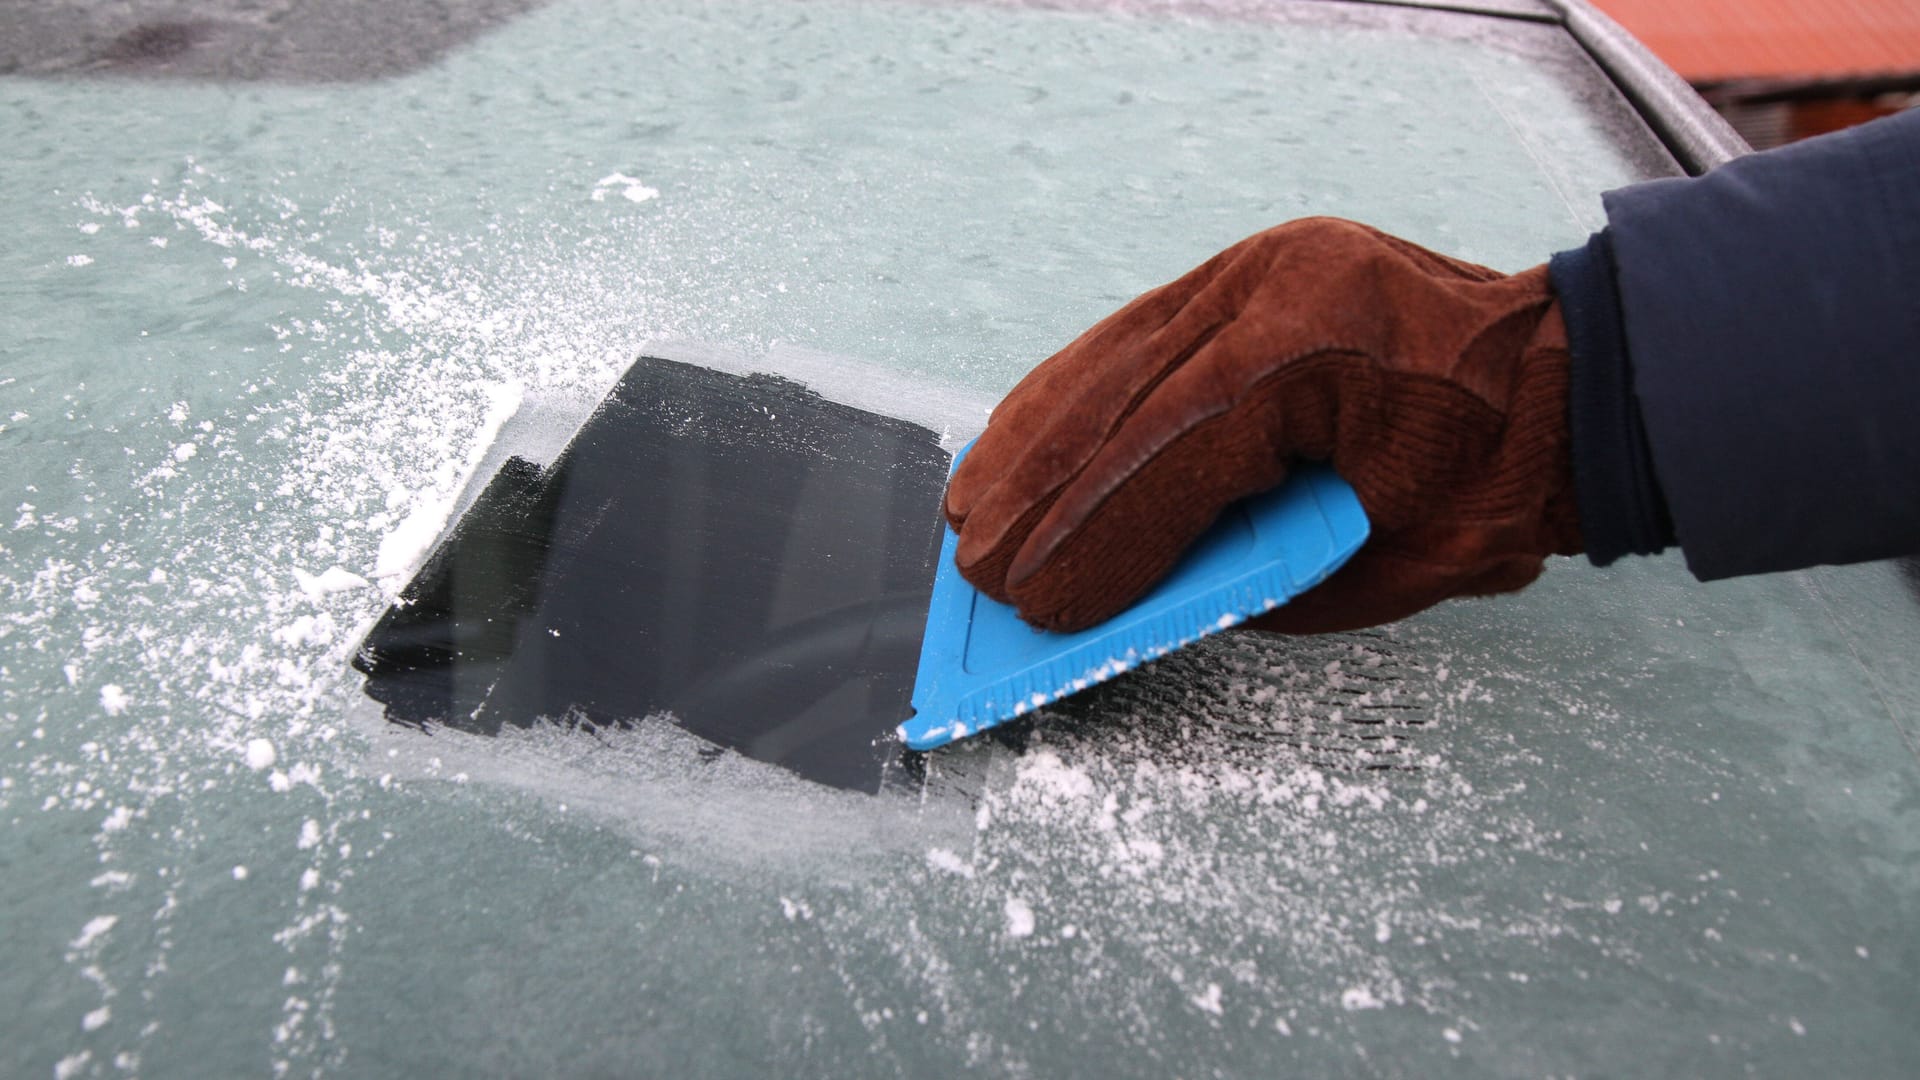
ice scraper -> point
(980, 665)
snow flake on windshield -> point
(628, 188)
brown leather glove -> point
(1437, 388)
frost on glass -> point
(255, 342)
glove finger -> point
(1027, 409)
(1097, 356)
(1127, 518)
(1026, 476)
(1221, 427)
(1107, 371)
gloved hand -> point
(1437, 388)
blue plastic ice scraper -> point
(980, 665)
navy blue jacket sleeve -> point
(1747, 359)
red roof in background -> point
(1713, 40)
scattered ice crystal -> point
(1359, 997)
(260, 754)
(942, 859)
(630, 188)
(113, 699)
(95, 928)
(1208, 1002)
(334, 579)
(1019, 918)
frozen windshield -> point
(257, 338)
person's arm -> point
(1747, 359)
(1733, 363)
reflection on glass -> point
(735, 553)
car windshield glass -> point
(261, 338)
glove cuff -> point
(1622, 509)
